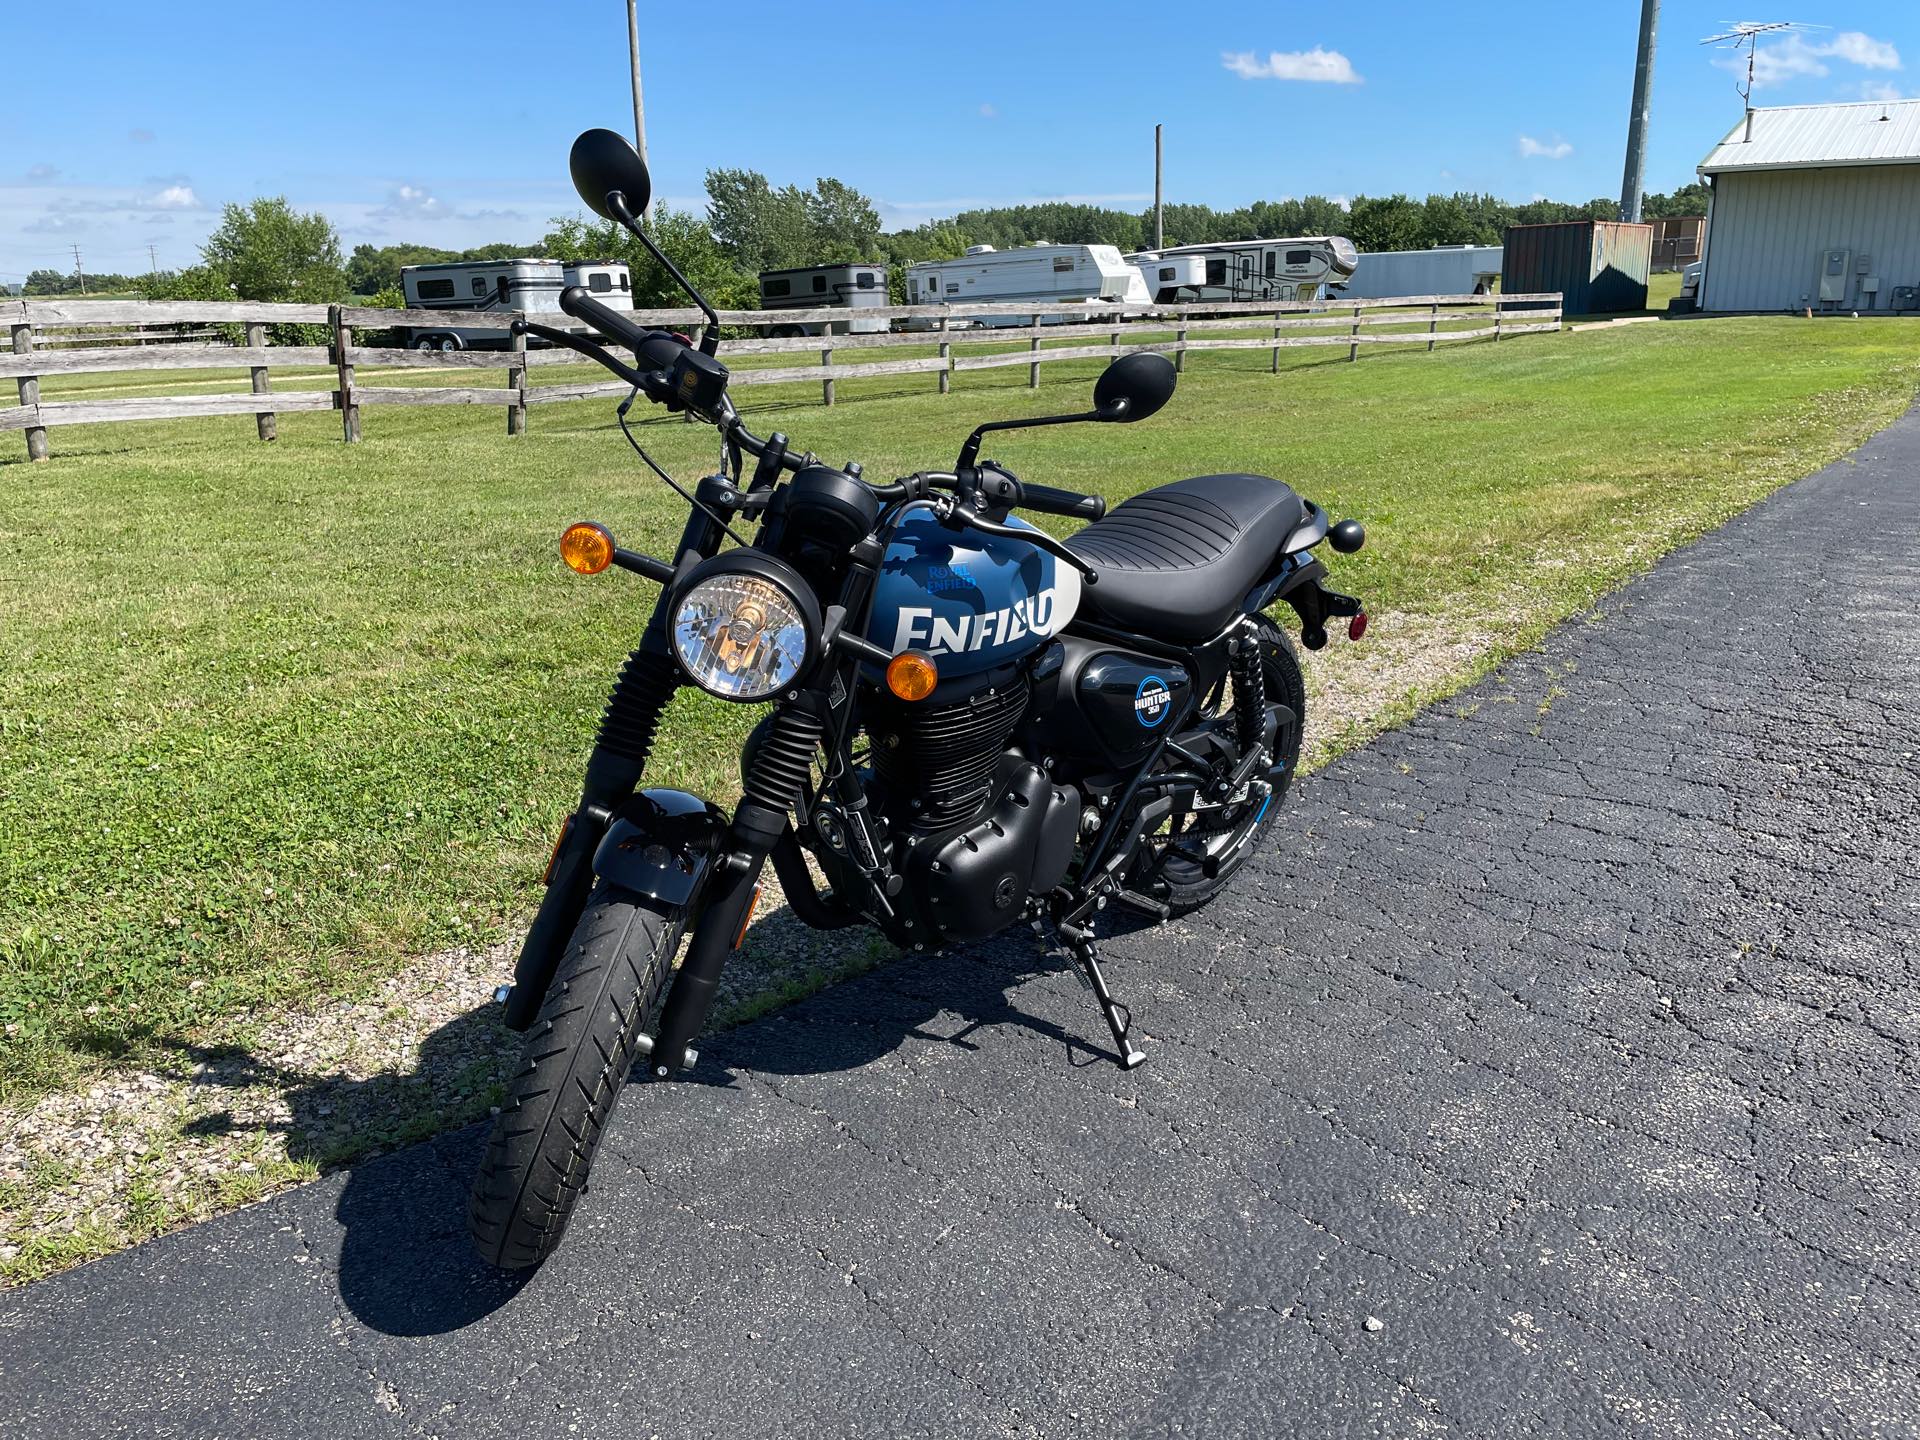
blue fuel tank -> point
(971, 601)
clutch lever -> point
(956, 514)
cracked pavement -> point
(1568, 1033)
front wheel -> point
(578, 1054)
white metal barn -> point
(1443, 270)
(1815, 206)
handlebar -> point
(656, 347)
(1055, 501)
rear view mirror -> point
(1134, 387)
(603, 164)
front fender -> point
(660, 844)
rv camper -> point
(816, 287)
(1444, 270)
(1044, 274)
(1166, 279)
(529, 286)
(1259, 270)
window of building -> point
(773, 289)
(436, 289)
(819, 284)
(600, 282)
(1217, 270)
(479, 284)
(1062, 264)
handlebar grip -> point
(1055, 501)
(581, 305)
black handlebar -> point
(1055, 501)
(580, 304)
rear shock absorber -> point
(1249, 692)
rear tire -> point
(578, 1054)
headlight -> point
(744, 626)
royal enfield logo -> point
(1152, 701)
(1038, 615)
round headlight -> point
(744, 626)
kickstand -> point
(1119, 1018)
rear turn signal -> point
(911, 675)
(587, 548)
(1357, 626)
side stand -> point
(1079, 938)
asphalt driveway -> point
(1555, 1076)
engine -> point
(975, 828)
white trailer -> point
(816, 287)
(1444, 270)
(1045, 274)
(1166, 279)
(528, 285)
(1257, 270)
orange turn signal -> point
(911, 675)
(587, 548)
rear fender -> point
(660, 844)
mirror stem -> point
(617, 206)
(970, 451)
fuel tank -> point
(971, 601)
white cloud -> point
(176, 197)
(412, 202)
(1880, 90)
(1555, 149)
(1797, 57)
(1317, 65)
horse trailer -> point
(852, 287)
(525, 285)
(1044, 274)
(1443, 270)
(1261, 270)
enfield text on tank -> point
(970, 725)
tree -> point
(1391, 222)
(935, 240)
(1687, 200)
(267, 250)
(762, 228)
(684, 238)
(842, 224)
(371, 268)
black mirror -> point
(1134, 387)
(602, 163)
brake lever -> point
(955, 514)
(585, 347)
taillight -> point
(1357, 626)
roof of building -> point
(1796, 137)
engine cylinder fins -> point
(940, 760)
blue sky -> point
(449, 123)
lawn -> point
(275, 718)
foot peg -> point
(1119, 1019)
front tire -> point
(578, 1054)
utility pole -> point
(153, 259)
(78, 273)
(1157, 232)
(639, 110)
(1632, 181)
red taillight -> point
(1357, 626)
(566, 829)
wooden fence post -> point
(1496, 320)
(1433, 323)
(263, 420)
(826, 386)
(1033, 347)
(1180, 355)
(30, 391)
(1276, 335)
(1353, 350)
(517, 382)
(946, 359)
(343, 369)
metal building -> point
(1815, 207)
(1599, 267)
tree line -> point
(267, 250)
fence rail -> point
(35, 325)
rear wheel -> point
(1198, 849)
(578, 1054)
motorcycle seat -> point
(1176, 561)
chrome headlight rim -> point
(753, 565)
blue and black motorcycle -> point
(970, 724)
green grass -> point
(273, 718)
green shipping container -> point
(1599, 266)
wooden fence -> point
(946, 330)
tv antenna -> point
(1747, 33)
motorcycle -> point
(971, 724)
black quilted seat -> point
(1176, 561)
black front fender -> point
(660, 843)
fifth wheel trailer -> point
(1044, 274)
(1257, 270)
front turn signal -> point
(911, 675)
(587, 548)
